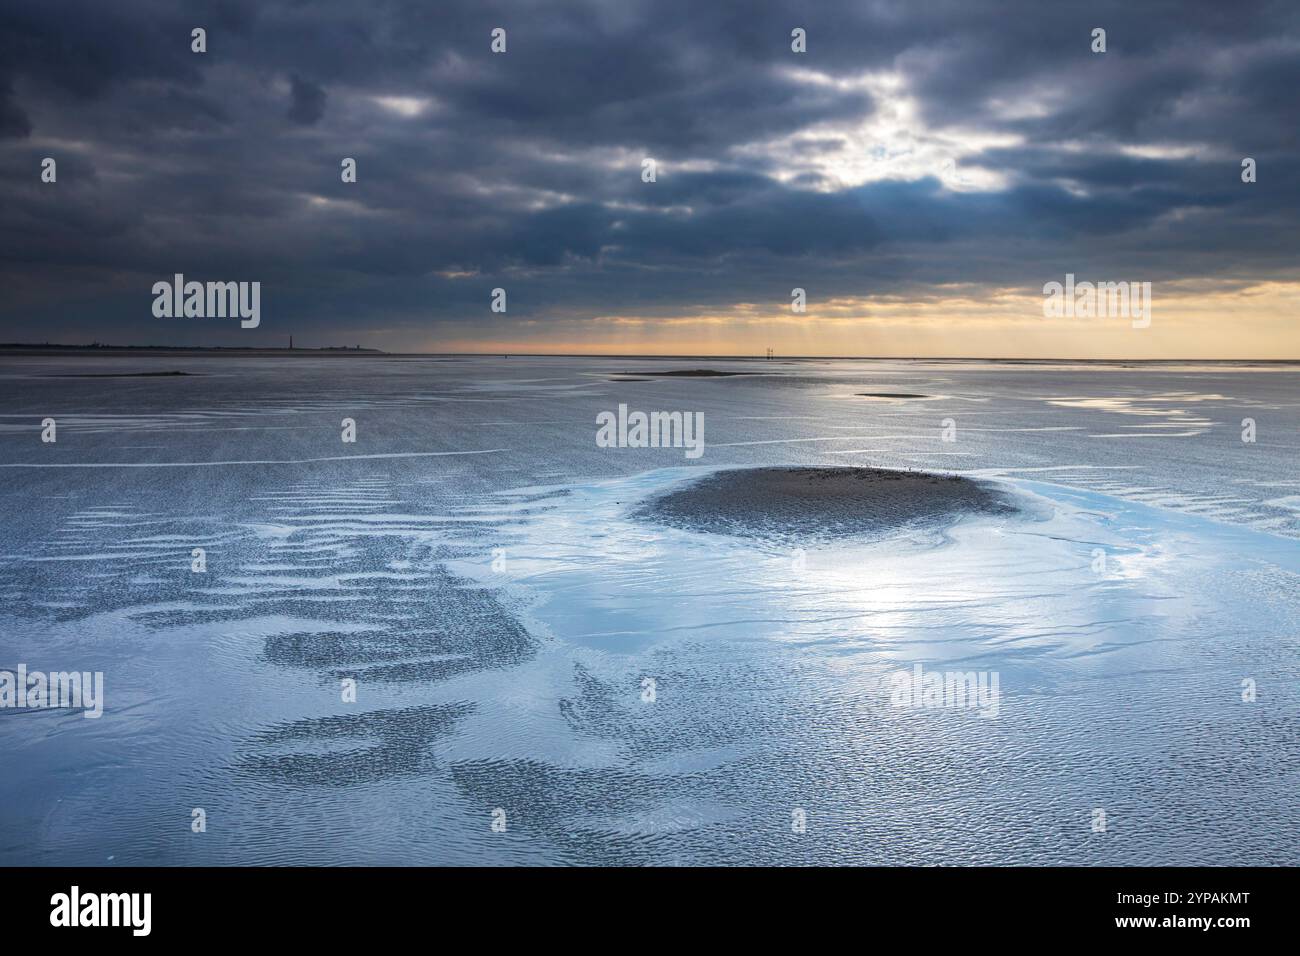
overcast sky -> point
(922, 170)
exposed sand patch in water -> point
(822, 502)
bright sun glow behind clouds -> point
(408, 107)
(892, 143)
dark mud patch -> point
(354, 748)
(890, 395)
(695, 373)
(122, 375)
(802, 503)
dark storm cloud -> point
(308, 101)
(13, 121)
(523, 170)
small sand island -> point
(822, 502)
(119, 374)
(695, 373)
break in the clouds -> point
(912, 148)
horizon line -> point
(353, 351)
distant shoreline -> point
(46, 348)
(14, 349)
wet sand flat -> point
(481, 569)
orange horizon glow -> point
(1256, 321)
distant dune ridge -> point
(822, 502)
